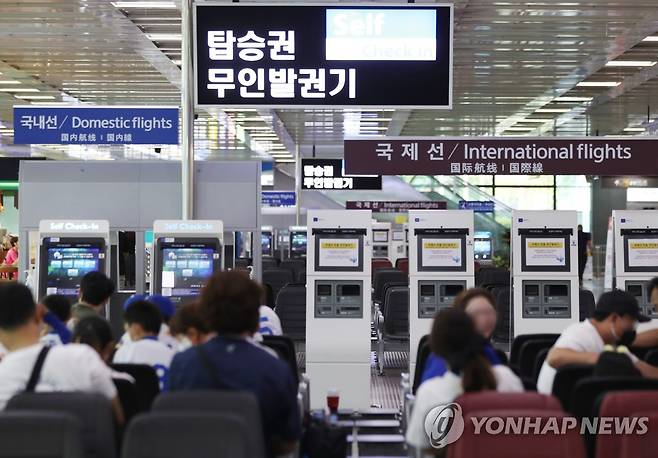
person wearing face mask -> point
(613, 323)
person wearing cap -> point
(613, 323)
(167, 310)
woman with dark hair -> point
(455, 340)
(480, 305)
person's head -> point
(230, 302)
(616, 316)
(96, 289)
(96, 332)
(13, 242)
(164, 304)
(188, 325)
(653, 291)
(480, 305)
(58, 304)
(20, 324)
(142, 319)
(580, 228)
(132, 299)
(454, 338)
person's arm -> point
(647, 369)
(646, 339)
(558, 357)
(60, 328)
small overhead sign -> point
(395, 206)
(478, 206)
(327, 174)
(278, 199)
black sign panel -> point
(329, 55)
(328, 174)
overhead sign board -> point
(95, 125)
(478, 206)
(333, 55)
(395, 206)
(278, 198)
(327, 174)
(502, 156)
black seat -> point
(652, 357)
(421, 358)
(301, 278)
(268, 262)
(93, 411)
(384, 276)
(565, 380)
(589, 389)
(528, 354)
(127, 392)
(503, 329)
(291, 309)
(539, 362)
(40, 434)
(146, 382)
(285, 348)
(520, 340)
(492, 277)
(277, 279)
(396, 313)
(187, 434)
(295, 266)
(587, 304)
(389, 286)
(241, 264)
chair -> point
(216, 401)
(587, 304)
(285, 348)
(652, 357)
(384, 276)
(566, 378)
(40, 434)
(269, 295)
(93, 411)
(268, 262)
(490, 278)
(421, 358)
(147, 382)
(622, 405)
(528, 354)
(127, 392)
(291, 309)
(395, 317)
(568, 445)
(277, 279)
(539, 362)
(241, 264)
(178, 434)
(493, 400)
(517, 343)
(380, 263)
(503, 329)
(295, 266)
(402, 264)
(644, 446)
(587, 390)
(301, 278)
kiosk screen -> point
(641, 253)
(380, 236)
(398, 236)
(545, 250)
(298, 243)
(266, 243)
(336, 253)
(442, 253)
(68, 261)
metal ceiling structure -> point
(520, 68)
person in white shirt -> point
(269, 323)
(167, 310)
(455, 339)
(142, 321)
(65, 367)
(613, 323)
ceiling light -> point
(553, 110)
(519, 129)
(631, 63)
(651, 38)
(9, 82)
(573, 99)
(598, 84)
(164, 36)
(286, 161)
(18, 89)
(372, 128)
(35, 97)
(536, 120)
(634, 129)
(256, 127)
(178, 62)
(163, 5)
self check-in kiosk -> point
(338, 296)
(267, 241)
(440, 267)
(298, 242)
(398, 244)
(68, 250)
(185, 255)
(381, 240)
(545, 268)
(636, 255)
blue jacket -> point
(435, 366)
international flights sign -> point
(330, 55)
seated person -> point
(188, 327)
(95, 291)
(613, 323)
(269, 323)
(65, 368)
(167, 310)
(11, 257)
(649, 338)
(142, 321)
(59, 313)
(230, 361)
(480, 305)
(455, 339)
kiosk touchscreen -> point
(483, 246)
(636, 256)
(381, 240)
(338, 294)
(68, 250)
(545, 267)
(185, 255)
(440, 267)
(267, 242)
(297, 242)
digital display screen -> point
(266, 243)
(641, 253)
(442, 253)
(186, 270)
(482, 248)
(298, 242)
(398, 236)
(380, 236)
(67, 265)
(545, 250)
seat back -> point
(587, 304)
(644, 446)
(301, 277)
(387, 287)
(127, 393)
(93, 411)
(396, 315)
(517, 343)
(502, 294)
(585, 393)
(402, 264)
(565, 380)
(528, 354)
(492, 277)
(40, 434)
(268, 262)
(147, 382)
(568, 445)
(384, 276)
(380, 263)
(285, 348)
(539, 362)
(183, 434)
(623, 404)
(493, 400)
(652, 357)
(277, 279)
(421, 358)
(295, 266)
(291, 309)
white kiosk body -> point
(440, 267)
(68, 250)
(545, 271)
(338, 298)
(398, 244)
(636, 256)
(297, 242)
(185, 254)
(382, 246)
(267, 241)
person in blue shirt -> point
(481, 306)
(231, 361)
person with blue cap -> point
(167, 310)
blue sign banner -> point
(278, 199)
(95, 125)
(478, 206)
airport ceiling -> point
(520, 68)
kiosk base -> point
(352, 380)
